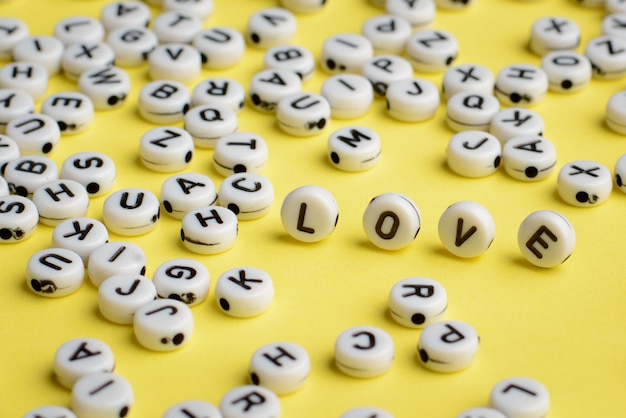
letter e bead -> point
(546, 238)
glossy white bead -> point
(554, 33)
(345, 52)
(546, 238)
(50, 411)
(171, 26)
(584, 183)
(29, 77)
(102, 395)
(55, 272)
(41, 49)
(271, 27)
(250, 401)
(529, 158)
(208, 123)
(364, 352)
(121, 295)
(412, 100)
(9, 151)
(607, 55)
(81, 356)
(174, 61)
(131, 212)
(220, 47)
(303, 114)
(417, 13)
(209, 230)
(182, 193)
(107, 87)
(14, 103)
(520, 397)
(448, 346)
(200, 8)
(13, 31)
(614, 6)
(304, 6)
(127, 14)
(195, 408)
(521, 85)
(383, 70)
(309, 213)
(292, 58)
(219, 92)
(34, 134)
(182, 279)
(567, 72)
(81, 235)
(163, 325)
(615, 112)
(366, 412)
(613, 24)
(474, 154)
(26, 174)
(417, 302)
(59, 200)
(73, 111)
(282, 367)
(18, 218)
(164, 102)
(432, 51)
(466, 229)
(244, 292)
(349, 95)
(388, 34)
(453, 5)
(269, 86)
(247, 195)
(391, 221)
(95, 171)
(481, 413)
(620, 173)
(76, 29)
(240, 152)
(354, 148)
(465, 78)
(471, 111)
(132, 46)
(80, 57)
(115, 258)
(516, 121)
(166, 149)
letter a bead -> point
(281, 367)
(209, 230)
(309, 213)
(102, 395)
(182, 193)
(417, 302)
(364, 352)
(250, 401)
(81, 356)
(391, 221)
(529, 157)
(520, 397)
(584, 183)
(466, 229)
(546, 238)
(163, 325)
(55, 272)
(448, 346)
(244, 292)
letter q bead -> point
(244, 292)
(364, 352)
(546, 238)
(391, 221)
(163, 325)
(448, 346)
(466, 229)
(55, 272)
(309, 213)
(209, 230)
(354, 148)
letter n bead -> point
(546, 238)
(448, 346)
(391, 221)
(309, 213)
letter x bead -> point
(546, 238)
(584, 183)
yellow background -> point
(561, 326)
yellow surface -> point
(561, 326)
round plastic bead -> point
(620, 173)
(345, 52)
(466, 229)
(554, 33)
(29, 77)
(521, 85)
(55, 272)
(383, 70)
(209, 230)
(172, 26)
(247, 195)
(417, 13)
(82, 356)
(240, 152)
(432, 51)
(81, 235)
(615, 113)
(49, 412)
(107, 87)
(391, 221)
(269, 86)
(182, 279)
(132, 46)
(292, 58)
(174, 61)
(584, 183)
(195, 408)
(18, 219)
(76, 29)
(529, 158)
(271, 27)
(546, 238)
(80, 57)
(34, 134)
(567, 72)
(95, 171)
(224, 92)
(349, 96)
(388, 34)
(164, 102)
(14, 30)
(163, 325)
(46, 51)
(417, 302)
(102, 395)
(73, 111)
(474, 154)
(516, 121)
(520, 397)
(15, 103)
(309, 213)
(131, 212)
(26, 174)
(471, 111)
(126, 14)
(115, 258)
(364, 352)
(220, 47)
(448, 346)
(166, 149)
(121, 295)
(467, 78)
(607, 55)
(282, 367)
(182, 193)
(59, 200)
(303, 114)
(208, 123)
(354, 148)
(238, 402)
(244, 292)
(412, 100)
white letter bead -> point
(29, 77)
(349, 95)
(417, 13)
(18, 218)
(309, 213)
(186, 409)
(550, 34)
(466, 229)
(567, 72)
(171, 26)
(546, 238)
(364, 352)
(614, 6)
(345, 52)
(26, 174)
(81, 356)
(388, 34)
(50, 412)
(516, 121)
(244, 292)
(107, 87)
(81, 235)
(163, 325)
(271, 27)
(79, 29)
(607, 55)
(240, 152)
(201, 8)
(166, 149)
(14, 30)
(481, 413)
(474, 153)
(303, 6)
(247, 195)
(115, 258)
(366, 412)
(34, 134)
(182, 279)
(613, 24)
(620, 173)
(9, 151)
(209, 230)
(529, 158)
(164, 102)
(521, 85)
(93, 170)
(55, 272)
(250, 401)
(184, 192)
(432, 51)
(303, 114)
(220, 47)
(4, 187)
(120, 295)
(41, 49)
(584, 183)
(219, 92)
(73, 111)
(417, 302)
(80, 57)
(281, 367)
(102, 395)
(207, 123)
(615, 113)
(128, 14)
(174, 61)
(391, 221)
(132, 46)
(292, 58)
(131, 212)
(354, 148)
(269, 86)
(448, 346)
(383, 70)
(59, 200)
(412, 100)
(520, 397)
(467, 77)
(471, 111)
(15, 103)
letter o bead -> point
(18, 218)
(131, 212)
(546, 238)
(584, 183)
(466, 229)
(163, 325)
(182, 279)
(250, 401)
(354, 148)
(102, 395)
(282, 367)
(309, 213)
(448, 346)
(55, 272)
(79, 357)
(391, 221)
(364, 352)
(209, 230)
(567, 72)
(247, 195)
(474, 154)
(417, 302)
(520, 397)
(244, 292)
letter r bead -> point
(546, 238)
